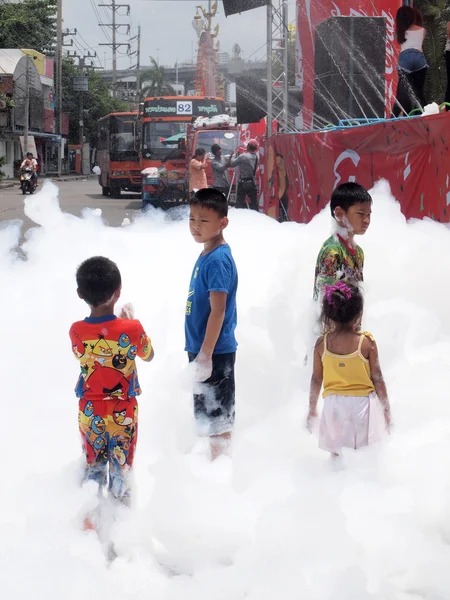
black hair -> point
(97, 279)
(215, 149)
(252, 147)
(342, 303)
(404, 18)
(418, 18)
(199, 152)
(348, 194)
(29, 154)
(212, 199)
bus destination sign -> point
(192, 107)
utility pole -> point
(81, 83)
(113, 44)
(59, 45)
(27, 107)
(137, 66)
(60, 35)
(114, 61)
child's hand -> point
(388, 421)
(127, 311)
(203, 367)
(312, 416)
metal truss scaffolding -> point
(277, 65)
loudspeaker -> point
(251, 99)
(349, 69)
(232, 7)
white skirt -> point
(350, 422)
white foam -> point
(277, 521)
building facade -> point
(27, 90)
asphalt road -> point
(73, 197)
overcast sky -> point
(166, 27)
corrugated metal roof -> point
(9, 60)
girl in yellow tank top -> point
(346, 363)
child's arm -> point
(316, 382)
(127, 312)
(218, 302)
(378, 381)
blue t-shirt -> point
(214, 272)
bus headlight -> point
(118, 173)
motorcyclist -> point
(30, 163)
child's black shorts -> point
(215, 398)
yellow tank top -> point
(346, 374)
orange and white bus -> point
(168, 117)
(118, 153)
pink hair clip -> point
(339, 286)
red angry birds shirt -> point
(106, 348)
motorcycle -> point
(27, 181)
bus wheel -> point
(105, 191)
(115, 192)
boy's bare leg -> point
(219, 444)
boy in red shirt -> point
(106, 347)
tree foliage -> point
(436, 13)
(28, 24)
(154, 81)
(3, 162)
(97, 103)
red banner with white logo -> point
(312, 12)
(301, 170)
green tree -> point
(97, 103)
(28, 24)
(3, 162)
(436, 13)
(154, 81)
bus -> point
(118, 153)
(165, 120)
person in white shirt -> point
(412, 63)
(30, 161)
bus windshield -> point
(124, 145)
(227, 140)
(155, 134)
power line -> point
(99, 19)
(114, 26)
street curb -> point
(8, 185)
(73, 178)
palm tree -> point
(435, 13)
(155, 82)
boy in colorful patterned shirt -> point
(106, 347)
(340, 257)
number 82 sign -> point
(184, 108)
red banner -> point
(312, 12)
(301, 170)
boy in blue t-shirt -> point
(211, 320)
